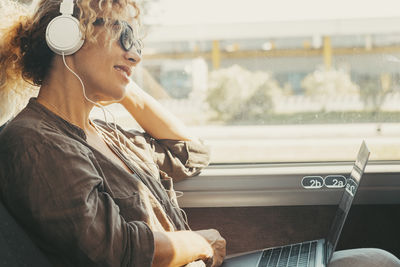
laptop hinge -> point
(325, 252)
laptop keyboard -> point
(296, 255)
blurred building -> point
(366, 48)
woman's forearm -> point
(153, 117)
(179, 248)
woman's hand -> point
(179, 248)
(218, 244)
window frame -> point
(279, 184)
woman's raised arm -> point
(153, 117)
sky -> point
(177, 12)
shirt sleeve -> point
(176, 159)
(56, 192)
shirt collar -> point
(35, 105)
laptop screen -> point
(347, 199)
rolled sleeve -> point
(57, 194)
(180, 159)
(176, 159)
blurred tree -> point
(324, 83)
(374, 91)
(26, 2)
(236, 94)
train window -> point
(276, 81)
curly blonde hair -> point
(24, 55)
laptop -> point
(316, 253)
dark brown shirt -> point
(81, 208)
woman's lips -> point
(124, 69)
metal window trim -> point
(240, 185)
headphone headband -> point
(67, 7)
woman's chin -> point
(121, 95)
(116, 95)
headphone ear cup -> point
(63, 35)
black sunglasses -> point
(127, 39)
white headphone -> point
(63, 35)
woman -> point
(88, 193)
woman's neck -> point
(63, 95)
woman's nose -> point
(133, 56)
